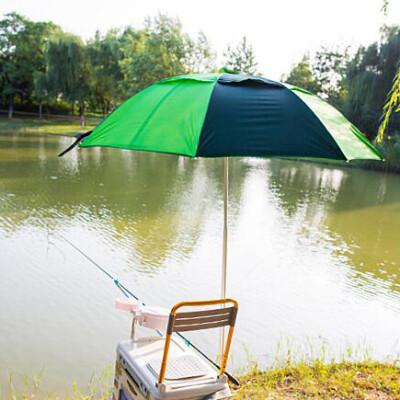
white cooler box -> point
(188, 376)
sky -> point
(281, 31)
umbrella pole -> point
(224, 242)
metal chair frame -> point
(197, 320)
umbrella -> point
(223, 115)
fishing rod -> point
(127, 293)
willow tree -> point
(68, 71)
(393, 98)
(104, 56)
(392, 104)
(368, 78)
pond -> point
(314, 254)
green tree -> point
(329, 68)
(369, 76)
(392, 101)
(393, 98)
(22, 44)
(68, 71)
(356, 85)
(157, 51)
(104, 57)
(41, 89)
(241, 58)
(302, 76)
(201, 58)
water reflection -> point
(147, 201)
(362, 208)
(313, 251)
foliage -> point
(104, 55)
(22, 44)
(41, 86)
(68, 69)
(157, 51)
(368, 78)
(301, 75)
(390, 149)
(201, 58)
(323, 75)
(329, 68)
(392, 103)
(40, 64)
(241, 58)
(356, 84)
(393, 97)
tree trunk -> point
(47, 108)
(82, 115)
(40, 110)
(11, 107)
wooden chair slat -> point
(185, 328)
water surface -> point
(314, 253)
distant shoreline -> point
(70, 127)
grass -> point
(59, 126)
(24, 388)
(305, 370)
(364, 380)
(367, 380)
(314, 370)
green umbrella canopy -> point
(219, 115)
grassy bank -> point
(56, 126)
(391, 166)
(365, 380)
